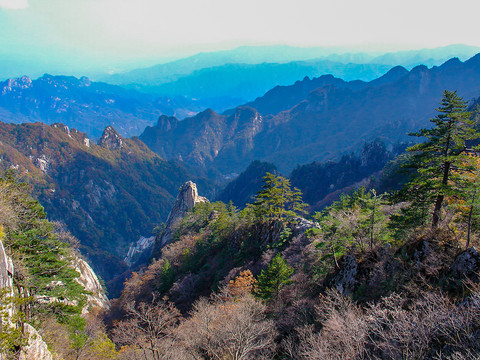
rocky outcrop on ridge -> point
(111, 139)
(187, 198)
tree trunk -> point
(440, 197)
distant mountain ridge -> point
(171, 71)
(222, 80)
(323, 123)
(86, 105)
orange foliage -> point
(243, 284)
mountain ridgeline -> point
(313, 120)
(83, 104)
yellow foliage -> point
(243, 284)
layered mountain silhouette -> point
(314, 120)
(83, 104)
(225, 79)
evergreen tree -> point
(272, 279)
(436, 159)
(277, 200)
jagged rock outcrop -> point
(6, 277)
(89, 280)
(300, 225)
(6, 269)
(344, 281)
(111, 139)
(467, 264)
(37, 348)
(187, 198)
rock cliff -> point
(36, 348)
(187, 198)
(89, 280)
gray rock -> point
(111, 139)
(344, 281)
(138, 248)
(302, 225)
(89, 280)
(186, 199)
(466, 263)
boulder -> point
(466, 263)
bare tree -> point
(226, 328)
(148, 327)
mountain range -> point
(313, 120)
(83, 104)
(220, 80)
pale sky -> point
(142, 29)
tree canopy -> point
(436, 159)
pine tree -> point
(436, 159)
(277, 200)
(272, 279)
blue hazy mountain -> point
(324, 122)
(85, 105)
(222, 80)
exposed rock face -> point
(90, 282)
(36, 348)
(187, 198)
(42, 163)
(344, 281)
(6, 269)
(111, 139)
(6, 276)
(301, 225)
(16, 84)
(143, 245)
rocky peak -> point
(111, 139)
(166, 123)
(85, 81)
(21, 83)
(186, 199)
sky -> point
(122, 33)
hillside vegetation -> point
(371, 276)
(49, 290)
(109, 194)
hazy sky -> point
(142, 29)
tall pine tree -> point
(436, 159)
